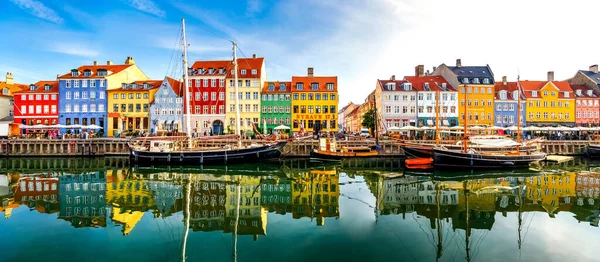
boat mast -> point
(437, 117)
(237, 98)
(465, 122)
(518, 113)
(439, 223)
(375, 119)
(237, 217)
(186, 85)
(468, 229)
(188, 188)
(519, 195)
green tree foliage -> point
(368, 120)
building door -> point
(217, 127)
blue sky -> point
(357, 40)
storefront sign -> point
(313, 117)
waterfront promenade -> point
(297, 148)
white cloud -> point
(38, 9)
(73, 49)
(147, 6)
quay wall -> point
(299, 148)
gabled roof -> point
(322, 81)
(585, 91)
(385, 87)
(472, 72)
(247, 64)
(354, 111)
(111, 70)
(40, 88)
(276, 89)
(13, 88)
(177, 86)
(434, 83)
(509, 87)
(594, 76)
(528, 86)
(154, 84)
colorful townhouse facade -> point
(207, 89)
(344, 111)
(251, 77)
(37, 104)
(167, 107)
(82, 92)
(8, 88)
(352, 124)
(315, 194)
(432, 88)
(506, 104)
(82, 199)
(276, 106)
(129, 106)
(396, 103)
(475, 85)
(587, 108)
(314, 103)
(365, 107)
(549, 103)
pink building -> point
(587, 107)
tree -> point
(369, 119)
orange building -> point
(314, 103)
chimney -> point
(129, 61)
(9, 78)
(504, 80)
(393, 78)
(57, 76)
(419, 70)
(95, 63)
(108, 62)
(594, 68)
(310, 72)
(458, 63)
(253, 55)
(550, 75)
(434, 68)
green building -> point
(276, 106)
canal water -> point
(103, 210)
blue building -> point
(83, 199)
(506, 109)
(166, 111)
(82, 92)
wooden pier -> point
(298, 148)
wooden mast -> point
(437, 117)
(518, 113)
(465, 122)
(188, 128)
(238, 119)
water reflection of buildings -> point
(39, 192)
(587, 208)
(315, 194)
(252, 218)
(552, 191)
(208, 199)
(276, 195)
(82, 199)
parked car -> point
(365, 132)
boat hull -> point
(337, 156)
(593, 151)
(455, 159)
(210, 157)
(418, 151)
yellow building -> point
(315, 194)
(129, 106)
(549, 103)
(314, 103)
(252, 217)
(552, 190)
(475, 85)
(127, 218)
(251, 76)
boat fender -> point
(169, 158)
(181, 157)
(202, 159)
(225, 156)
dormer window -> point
(330, 87)
(146, 86)
(300, 86)
(47, 87)
(443, 85)
(578, 92)
(87, 73)
(426, 87)
(391, 86)
(282, 87)
(515, 95)
(31, 87)
(101, 72)
(407, 86)
(6, 92)
(232, 72)
(486, 81)
(566, 94)
(124, 85)
(243, 71)
(590, 93)
(254, 72)
(314, 86)
(74, 73)
(271, 87)
(134, 85)
(465, 80)
(475, 80)
(502, 95)
(211, 71)
(221, 71)
(533, 93)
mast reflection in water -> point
(296, 212)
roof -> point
(41, 88)
(322, 82)
(8, 119)
(276, 85)
(12, 87)
(509, 87)
(112, 69)
(472, 72)
(528, 86)
(434, 83)
(243, 64)
(385, 87)
(592, 75)
(139, 86)
(586, 91)
(176, 85)
(354, 111)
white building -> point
(396, 103)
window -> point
(101, 94)
(92, 83)
(46, 109)
(247, 95)
(533, 93)
(68, 83)
(247, 83)
(197, 109)
(221, 96)
(76, 108)
(68, 95)
(221, 109)
(205, 110)
(197, 96)
(84, 108)
(116, 108)
(254, 71)
(75, 83)
(205, 82)
(84, 83)
(254, 108)
(388, 109)
(332, 97)
(68, 108)
(76, 95)
(84, 95)
(330, 87)
(243, 72)
(255, 96)
(300, 86)
(213, 96)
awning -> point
(445, 123)
(429, 122)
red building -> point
(587, 107)
(207, 91)
(37, 104)
(39, 191)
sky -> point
(359, 41)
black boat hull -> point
(327, 157)
(216, 157)
(418, 151)
(454, 159)
(593, 150)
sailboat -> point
(470, 158)
(174, 152)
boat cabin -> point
(162, 146)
